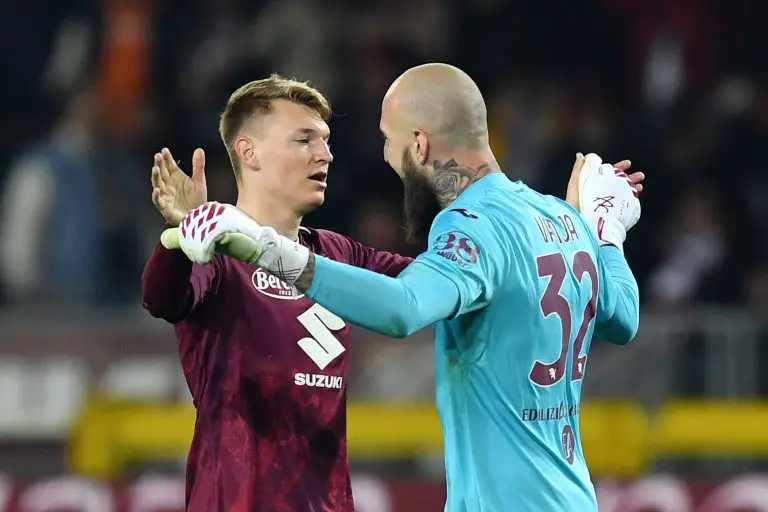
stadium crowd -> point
(93, 89)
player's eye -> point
(305, 140)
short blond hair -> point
(255, 98)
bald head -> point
(441, 100)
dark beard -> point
(420, 201)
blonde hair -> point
(255, 98)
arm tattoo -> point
(305, 279)
(451, 179)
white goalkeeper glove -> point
(608, 200)
(223, 228)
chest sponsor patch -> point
(269, 285)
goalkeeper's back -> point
(510, 374)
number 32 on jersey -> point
(552, 302)
(322, 347)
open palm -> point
(173, 192)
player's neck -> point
(458, 169)
(285, 221)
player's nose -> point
(324, 153)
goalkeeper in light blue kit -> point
(516, 284)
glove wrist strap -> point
(282, 257)
(609, 232)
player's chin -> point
(313, 200)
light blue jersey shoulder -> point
(510, 362)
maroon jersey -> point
(267, 372)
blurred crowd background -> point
(92, 89)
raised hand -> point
(225, 229)
(206, 226)
(220, 228)
(609, 201)
(173, 192)
(572, 195)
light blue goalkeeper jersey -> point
(530, 284)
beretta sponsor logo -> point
(271, 286)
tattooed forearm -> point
(451, 178)
(305, 279)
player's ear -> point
(420, 147)
(247, 152)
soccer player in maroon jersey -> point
(266, 366)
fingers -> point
(572, 191)
(637, 177)
(593, 161)
(159, 174)
(158, 181)
(635, 180)
(169, 166)
(168, 158)
(577, 165)
(157, 170)
(633, 185)
(157, 199)
(620, 169)
(624, 165)
(155, 175)
(159, 190)
(198, 168)
(170, 238)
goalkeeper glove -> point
(608, 200)
(222, 228)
